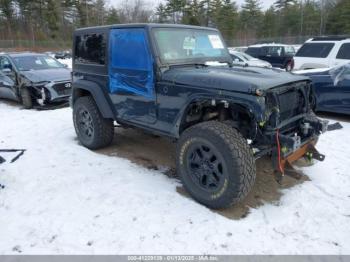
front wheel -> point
(215, 164)
(26, 98)
(312, 101)
(93, 130)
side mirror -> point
(5, 83)
(6, 71)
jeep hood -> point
(231, 79)
(35, 76)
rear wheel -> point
(215, 164)
(93, 130)
(26, 98)
(289, 67)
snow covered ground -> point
(61, 198)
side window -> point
(289, 50)
(275, 51)
(317, 50)
(344, 51)
(90, 48)
(264, 51)
(253, 51)
(5, 63)
(236, 58)
(131, 63)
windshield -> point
(182, 45)
(36, 62)
(253, 51)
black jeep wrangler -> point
(178, 81)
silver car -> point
(243, 59)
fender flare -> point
(243, 103)
(82, 87)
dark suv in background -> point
(277, 55)
(32, 78)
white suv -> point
(323, 52)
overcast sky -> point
(265, 3)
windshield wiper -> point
(189, 64)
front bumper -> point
(53, 92)
(286, 145)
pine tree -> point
(251, 15)
(269, 24)
(112, 16)
(339, 18)
(175, 9)
(162, 13)
(282, 4)
(7, 9)
(52, 17)
(226, 20)
(99, 10)
(193, 14)
(311, 18)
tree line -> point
(55, 20)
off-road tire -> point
(102, 128)
(235, 153)
(26, 98)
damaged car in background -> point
(34, 79)
(330, 89)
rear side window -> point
(289, 50)
(253, 51)
(90, 49)
(344, 51)
(319, 50)
(275, 51)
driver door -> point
(7, 83)
(131, 75)
(337, 91)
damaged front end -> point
(50, 92)
(291, 127)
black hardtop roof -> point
(148, 25)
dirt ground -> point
(159, 153)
